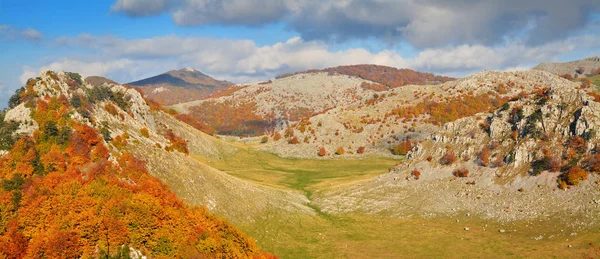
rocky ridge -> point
(370, 123)
(572, 67)
(548, 123)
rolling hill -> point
(178, 86)
(492, 158)
(578, 68)
(87, 174)
(264, 107)
(534, 156)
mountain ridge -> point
(577, 68)
(176, 86)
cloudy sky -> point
(250, 40)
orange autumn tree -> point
(61, 197)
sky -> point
(251, 40)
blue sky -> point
(250, 40)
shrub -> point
(75, 77)
(105, 132)
(15, 99)
(402, 148)
(538, 166)
(145, 132)
(448, 158)
(416, 173)
(585, 83)
(7, 129)
(484, 157)
(322, 151)
(360, 150)
(177, 143)
(461, 172)
(276, 136)
(289, 132)
(554, 163)
(593, 163)
(119, 142)
(111, 109)
(294, 140)
(264, 139)
(577, 143)
(429, 158)
(574, 176)
(340, 151)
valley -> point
(496, 164)
(279, 129)
(357, 235)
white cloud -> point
(31, 34)
(243, 61)
(9, 32)
(427, 23)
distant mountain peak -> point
(188, 69)
(182, 85)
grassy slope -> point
(362, 236)
(305, 175)
(595, 80)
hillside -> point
(178, 86)
(73, 187)
(385, 77)
(492, 158)
(260, 108)
(577, 68)
(98, 80)
(533, 158)
(393, 121)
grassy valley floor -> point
(367, 236)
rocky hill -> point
(88, 170)
(391, 122)
(99, 81)
(534, 157)
(385, 77)
(178, 86)
(577, 68)
(264, 107)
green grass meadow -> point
(367, 236)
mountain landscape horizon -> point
(296, 129)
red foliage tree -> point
(360, 150)
(448, 158)
(416, 173)
(484, 157)
(13, 244)
(461, 172)
(402, 148)
(593, 163)
(294, 140)
(322, 151)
